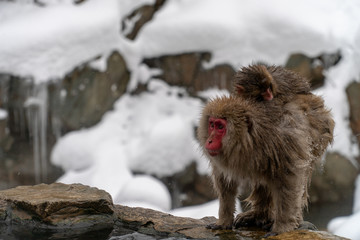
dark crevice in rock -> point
(145, 13)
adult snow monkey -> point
(271, 142)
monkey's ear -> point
(267, 95)
(239, 89)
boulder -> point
(332, 187)
(56, 206)
(303, 65)
(188, 187)
(313, 67)
(187, 70)
(86, 93)
(353, 94)
(334, 181)
(59, 211)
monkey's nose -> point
(210, 141)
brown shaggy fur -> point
(271, 144)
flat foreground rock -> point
(71, 207)
(56, 205)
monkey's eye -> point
(220, 126)
(211, 125)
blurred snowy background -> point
(108, 93)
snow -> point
(199, 211)
(138, 135)
(143, 190)
(265, 32)
(112, 179)
(3, 114)
(357, 196)
(143, 126)
(48, 42)
(212, 93)
(153, 132)
(348, 226)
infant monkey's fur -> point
(268, 138)
(263, 83)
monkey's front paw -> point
(214, 226)
(246, 219)
(307, 225)
(252, 219)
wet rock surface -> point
(60, 211)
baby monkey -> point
(269, 133)
(264, 83)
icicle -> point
(4, 86)
(58, 96)
(37, 121)
(43, 94)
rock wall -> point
(39, 115)
(187, 70)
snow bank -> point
(145, 191)
(156, 131)
(109, 172)
(151, 133)
(348, 226)
(239, 32)
(45, 43)
(199, 211)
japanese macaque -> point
(261, 82)
(270, 140)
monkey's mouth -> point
(213, 152)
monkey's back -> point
(321, 123)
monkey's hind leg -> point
(258, 215)
(288, 203)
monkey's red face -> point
(216, 131)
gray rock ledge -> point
(72, 207)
